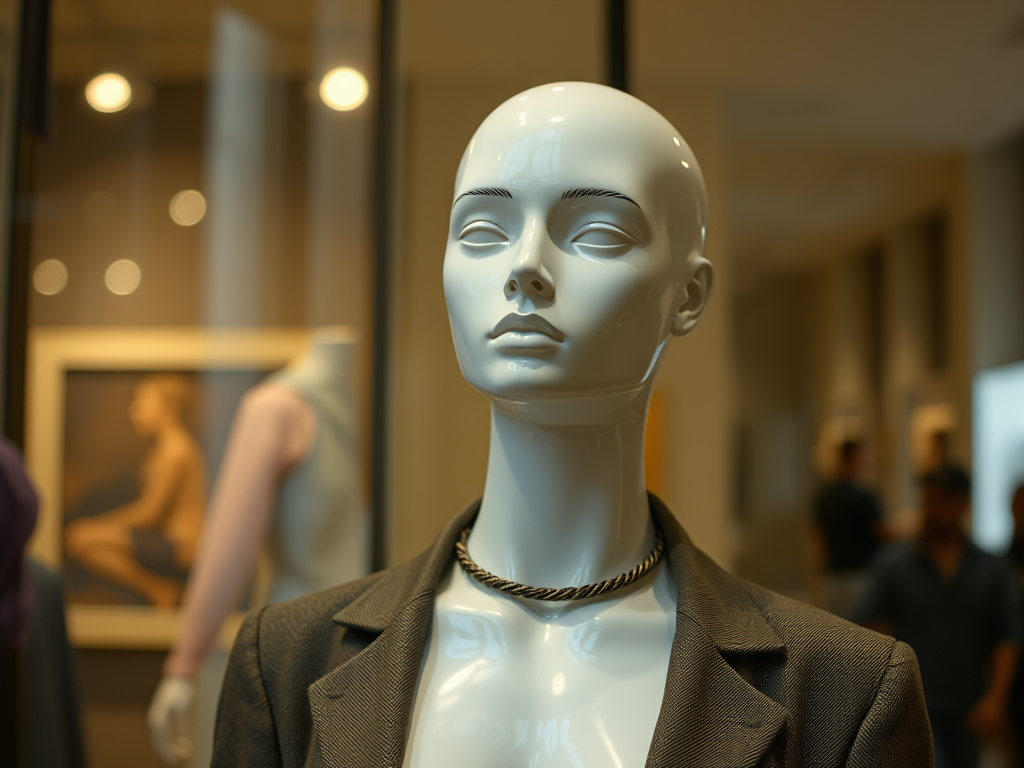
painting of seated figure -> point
(140, 449)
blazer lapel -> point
(710, 715)
(361, 709)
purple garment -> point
(18, 509)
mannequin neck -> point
(564, 505)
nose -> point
(528, 279)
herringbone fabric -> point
(754, 679)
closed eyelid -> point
(489, 226)
(604, 226)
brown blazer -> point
(754, 679)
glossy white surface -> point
(573, 256)
(510, 684)
(169, 719)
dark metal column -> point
(382, 228)
(618, 35)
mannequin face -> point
(574, 246)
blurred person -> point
(850, 528)
(1016, 557)
(956, 606)
(149, 544)
(1016, 551)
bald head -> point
(584, 136)
(574, 247)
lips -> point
(526, 324)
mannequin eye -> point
(604, 239)
(481, 234)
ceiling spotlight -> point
(188, 207)
(343, 89)
(123, 277)
(109, 92)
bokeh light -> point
(188, 207)
(123, 277)
(344, 89)
(50, 277)
(109, 92)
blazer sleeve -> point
(245, 733)
(895, 732)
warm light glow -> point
(109, 92)
(685, 164)
(123, 277)
(188, 207)
(343, 89)
(50, 277)
(675, 140)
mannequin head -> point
(575, 247)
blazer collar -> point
(710, 715)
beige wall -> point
(696, 380)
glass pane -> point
(200, 221)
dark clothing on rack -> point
(54, 728)
(18, 509)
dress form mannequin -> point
(573, 256)
(278, 486)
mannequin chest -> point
(513, 685)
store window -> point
(199, 221)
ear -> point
(694, 297)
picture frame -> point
(63, 360)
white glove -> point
(169, 717)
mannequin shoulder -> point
(299, 640)
(270, 400)
(819, 643)
(308, 619)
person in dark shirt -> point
(850, 526)
(957, 607)
(1016, 552)
(1016, 557)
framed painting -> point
(125, 432)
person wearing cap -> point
(956, 606)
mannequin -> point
(574, 255)
(289, 479)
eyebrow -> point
(569, 194)
(486, 192)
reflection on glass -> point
(343, 89)
(109, 92)
(123, 277)
(188, 207)
(50, 277)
